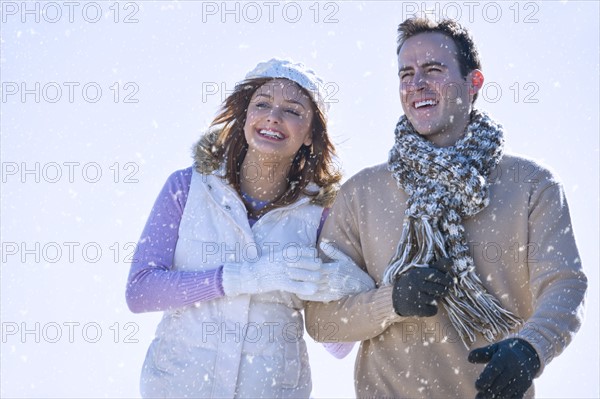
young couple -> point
(229, 252)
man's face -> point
(434, 95)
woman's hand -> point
(340, 278)
(300, 275)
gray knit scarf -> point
(444, 185)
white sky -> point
(178, 60)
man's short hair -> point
(468, 55)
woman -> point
(228, 250)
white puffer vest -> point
(244, 346)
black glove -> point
(513, 364)
(415, 291)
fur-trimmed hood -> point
(206, 162)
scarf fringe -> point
(470, 307)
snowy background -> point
(102, 100)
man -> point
(479, 281)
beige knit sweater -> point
(525, 254)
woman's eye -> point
(261, 105)
(293, 112)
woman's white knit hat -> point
(296, 72)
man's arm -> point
(557, 285)
(356, 317)
(557, 281)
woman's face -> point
(278, 120)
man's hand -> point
(416, 291)
(512, 365)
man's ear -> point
(475, 79)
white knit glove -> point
(299, 275)
(340, 278)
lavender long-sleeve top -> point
(153, 285)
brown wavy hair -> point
(226, 144)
